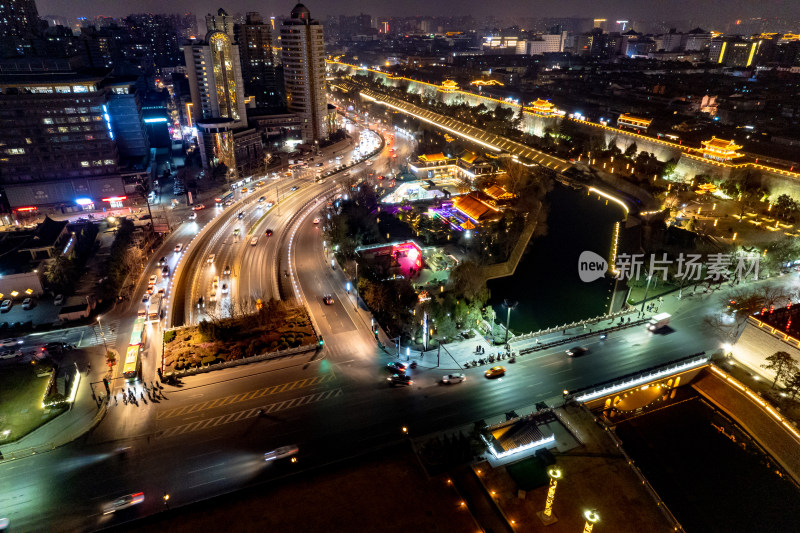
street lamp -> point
(509, 305)
(102, 335)
(547, 517)
(592, 518)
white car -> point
(27, 303)
(192, 216)
(11, 342)
(281, 453)
(211, 258)
(6, 306)
(124, 502)
(153, 279)
(453, 378)
(178, 248)
(253, 241)
(215, 283)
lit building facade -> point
(542, 108)
(214, 72)
(58, 146)
(258, 69)
(721, 150)
(303, 53)
(637, 123)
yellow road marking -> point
(236, 398)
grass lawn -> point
(21, 401)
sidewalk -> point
(83, 415)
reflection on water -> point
(546, 282)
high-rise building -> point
(57, 134)
(258, 70)
(220, 22)
(18, 18)
(303, 52)
(214, 71)
(155, 36)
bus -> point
(222, 200)
(139, 334)
(154, 311)
(133, 364)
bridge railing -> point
(638, 378)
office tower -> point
(58, 136)
(213, 68)
(303, 52)
(220, 22)
(258, 70)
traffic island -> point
(274, 330)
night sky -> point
(706, 10)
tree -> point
(468, 282)
(793, 384)
(631, 150)
(783, 365)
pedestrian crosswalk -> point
(248, 413)
(108, 330)
(244, 396)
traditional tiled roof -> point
(498, 193)
(433, 158)
(473, 207)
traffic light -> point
(105, 383)
(321, 341)
(375, 332)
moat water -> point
(546, 282)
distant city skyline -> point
(713, 12)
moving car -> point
(577, 351)
(212, 299)
(316, 221)
(328, 299)
(240, 215)
(261, 199)
(178, 248)
(10, 353)
(162, 261)
(150, 289)
(294, 188)
(236, 232)
(11, 342)
(124, 502)
(198, 207)
(453, 378)
(397, 367)
(57, 347)
(215, 283)
(224, 288)
(27, 303)
(226, 271)
(253, 241)
(211, 258)
(153, 279)
(192, 216)
(281, 453)
(268, 233)
(165, 271)
(399, 379)
(495, 372)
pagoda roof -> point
(498, 193)
(469, 157)
(473, 207)
(433, 158)
(721, 144)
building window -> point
(15, 151)
(80, 89)
(109, 161)
(47, 121)
(63, 89)
(84, 163)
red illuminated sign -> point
(115, 199)
(26, 209)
